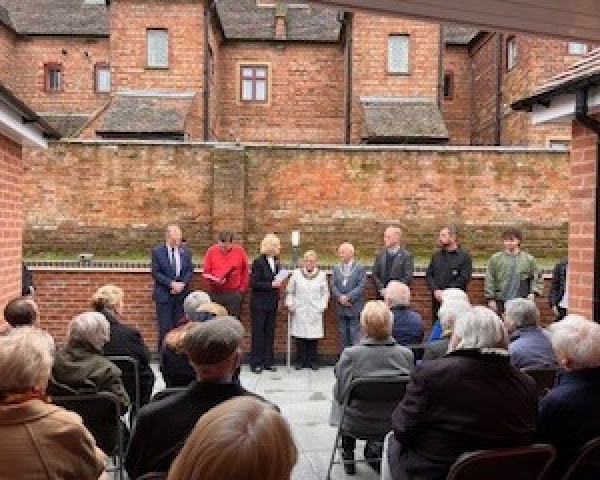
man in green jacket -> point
(511, 273)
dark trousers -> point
(168, 315)
(263, 337)
(232, 301)
(306, 352)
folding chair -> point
(523, 463)
(130, 368)
(544, 377)
(418, 350)
(101, 414)
(384, 393)
(587, 463)
(166, 392)
(153, 476)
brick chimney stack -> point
(280, 21)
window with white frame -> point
(398, 50)
(158, 47)
(53, 77)
(511, 52)
(577, 48)
(102, 77)
(254, 83)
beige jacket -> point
(42, 441)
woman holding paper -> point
(266, 278)
(307, 298)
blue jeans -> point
(349, 330)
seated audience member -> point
(21, 311)
(174, 364)
(449, 294)
(471, 399)
(37, 439)
(242, 438)
(408, 325)
(569, 415)
(377, 354)
(124, 340)
(81, 365)
(213, 349)
(529, 346)
(448, 313)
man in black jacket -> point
(213, 349)
(558, 290)
(450, 267)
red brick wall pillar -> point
(11, 219)
(582, 220)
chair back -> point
(544, 377)
(130, 368)
(153, 476)
(418, 350)
(587, 463)
(167, 392)
(523, 463)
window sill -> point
(398, 74)
(147, 67)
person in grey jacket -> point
(378, 354)
(348, 287)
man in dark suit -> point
(393, 263)
(213, 349)
(348, 287)
(172, 271)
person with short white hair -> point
(408, 325)
(448, 294)
(448, 313)
(529, 345)
(470, 399)
(38, 439)
(569, 415)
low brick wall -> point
(62, 293)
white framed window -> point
(254, 83)
(577, 48)
(102, 77)
(398, 50)
(559, 144)
(511, 52)
(158, 47)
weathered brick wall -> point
(64, 293)
(457, 109)
(11, 218)
(484, 61)
(7, 54)
(306, 101)
(370, 68)
(78, 55)
(110, 197)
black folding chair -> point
(101, 414)
(166, 392)
(530, 462)
(384, 393)
(587, 463)
(418, 350)
(130, 368)
(544, 377)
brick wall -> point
(7, 54)
(484, 63)
(77, 57)
(305, 103)
(64, 293)
(11, 218)
(370, 62)
(456, 109)
(109, 197)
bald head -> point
(392, 237)
(397, 294)
(346, 252)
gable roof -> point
(244, 20)
(57, 17)
(584, 73)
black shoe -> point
(256, 369)
(350, 467)
(298, 366)
(271, 368)
(314, 366)
(373, 450)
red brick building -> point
(249, 70)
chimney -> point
(280, 21)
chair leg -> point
(336, 445)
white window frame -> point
(577, 48)
(100, 68)
(153, 37)
(397, 66)
(511, 52)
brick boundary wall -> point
(63, 293)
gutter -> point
(581, 115)
(348, 22)
(206, 90)
(498, 88)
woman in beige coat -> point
(37, 439)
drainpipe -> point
(206, 96)
(349, 24)
(581, 115)
(499, 70)
(440, 80)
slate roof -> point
(403, 120)
(459, 35)
(585, 72)
(244, 20)
(57, 17)
(68, 125)
(5, 18)
(146, 114)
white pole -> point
(289, 342)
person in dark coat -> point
(27, 285)
(569, 415)
(393, 263)
(557, 297)
(213, 349)
(125, 340)
(408, 326)
(470, 399)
